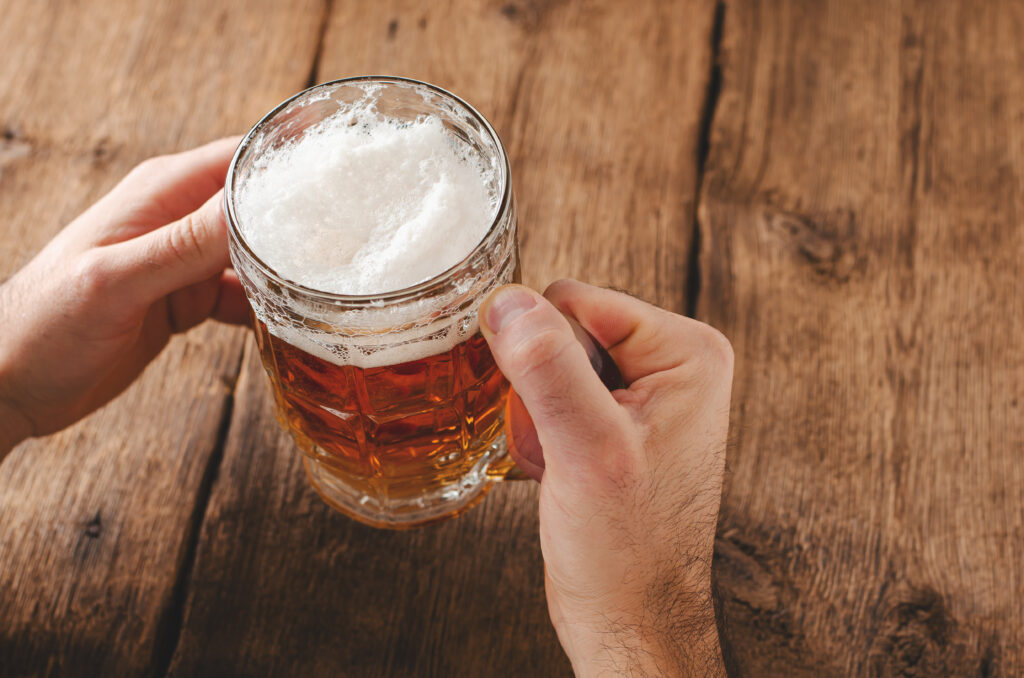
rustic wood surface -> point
(835, 185)
(862, 247)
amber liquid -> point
(393, 432)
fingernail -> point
(506, 304)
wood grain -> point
(862, 247)
(97, 523)
(860, 244)
(599, 105)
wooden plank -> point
(599, 104)
(97, 522)
(863, 249)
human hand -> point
(99, 302)
(630, 480)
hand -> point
(630, 480)
(98, 303)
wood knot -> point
(392, 29)
(924, 613)
(826, 243)
(94, 527)
(528, 14)
(918, 636)
(744, 578)
(102, 152)
(752, 573)
(12, 147)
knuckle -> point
(184, 239)
(714, 346)
(560, 287)
(90, 276)
(655, 337)
(539, 352)
(147, 170)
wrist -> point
(678, 640)
(15, 427)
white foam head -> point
(364, 204)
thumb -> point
(536, 350)
(182, 253)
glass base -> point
(440, 504)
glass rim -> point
(235, 233)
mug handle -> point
(506, 469)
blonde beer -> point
(404, 430)
(368, 219)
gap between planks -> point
(171, 621)
(714, 89)
(325, 20)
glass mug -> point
(391, 444)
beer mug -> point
(394, 398)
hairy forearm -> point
(687, 628)
(669, 642)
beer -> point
(368, 220)
(397, 431)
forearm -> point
(683, 644)
(14, 427)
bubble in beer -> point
(364, 204)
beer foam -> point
(362, 204)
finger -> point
(173, 257)
(232, 307)
(219, 297)
(181, 182)
(521, 434)
(641, 338)
(191, 305)
(158, 191)
(537, 352)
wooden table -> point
(836, 185)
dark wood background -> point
(836, 185)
